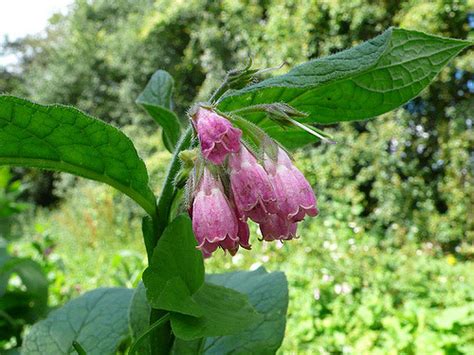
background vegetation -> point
(385, 268)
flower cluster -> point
(274, 194)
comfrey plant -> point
(231, 165)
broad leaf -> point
(365, 81)
(176, 270)
(225, 311)
(156, 99)
(63, 138)
(268, 293)
(96, 320)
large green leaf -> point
(96, 320)
(156, 99)
(176, 270)
(268, 293)
(63, 138)
(362, 82)
(225, 312)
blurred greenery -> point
(385, 268)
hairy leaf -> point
(225, 312)
(96, 320)
(156, 99)
(359, 83)
(63, 138)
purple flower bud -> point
(215, 223)
(253, 193)
(216, 134)
(295, 196)
(277, 227)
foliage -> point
(23, 283)
(188, 307)
(383, 191)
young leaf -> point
(63, 138)
(176, 270)
(365, 81)
(268, 293)
(225, 311)
(96, 320)
(156, 100)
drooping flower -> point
(295, 196)
(215, 223)
(253, 193)
(216, 134)
(277, 227)
(243, 232)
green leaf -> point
(139, 317)
(63, 138)
(370, 79)
(225, 311)
(97, 320)
(268, 293)
(176, 270)
(156, 100)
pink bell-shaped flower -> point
(216, 135)
(214, 220)
(253, 193)
(243, 233)
(295, 196)
(277, 227)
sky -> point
(22, 17)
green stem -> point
(161, 339)
(220, 91)
(169, 190)
(157, 324)
(79, 349)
